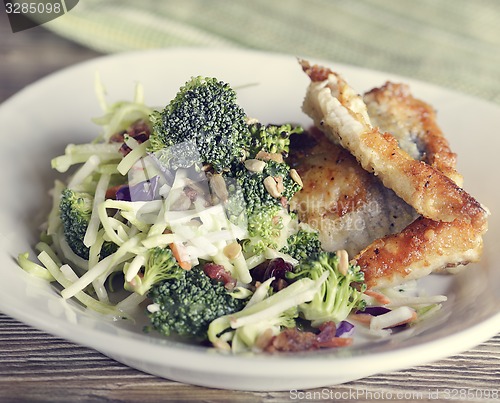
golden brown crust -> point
(347, 204)
(432, 191)
(453, 223)
(315, 73)
(319, 170)
(393, 108)
(340, 114)
(421, 248)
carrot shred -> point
(380, 298)
(361, 318)
(175, 250)
(336, 342)
(413, 317)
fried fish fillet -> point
(353, 210)
(393, 109)
(415, 162)
(349, 206)
(342, 115)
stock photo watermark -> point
(355, 394)
(29, 14)
(343, 215)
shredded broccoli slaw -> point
(198, 233)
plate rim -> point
(486, 329)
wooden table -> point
(35, 366)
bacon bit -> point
(219, 273)
(380, 298)
(293, 340)
(328, 327)
(263, 340)
(283, 202)
(175, 250)
(327, 336)
(139, 130)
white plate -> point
(37, 123)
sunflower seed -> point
(232, 250)
(255, 165)
(279, 184)
(343, 261)
(296, 177)
(265, 156)
(218, 185)
(271, 187)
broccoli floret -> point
(75, 210)
(271, 138)
(254, 190)
(340, 293)
(181, 155)
(160, 265)
(187, 305)
(264, 311)
(204, 111)
(245, 337)
(265, 229)
(302, 244)
(266, 215)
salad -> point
(182, 214)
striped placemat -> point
(453, 43)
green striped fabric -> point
(452, 43)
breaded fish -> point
(342, 115)
(416, 163)
(393, 109)
(347, 205)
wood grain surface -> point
(35, 366)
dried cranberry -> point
(259, 271)
(277, 268)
